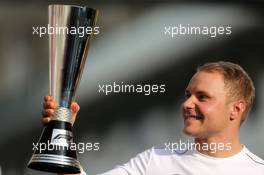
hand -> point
(49, 107)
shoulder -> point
(254, 158)
(161, 151)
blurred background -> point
(131, 48)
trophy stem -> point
(62, 114)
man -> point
(218, 99)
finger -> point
(75, 107)
(49, 105)
(48, 98)
(48, 113)
(46, 120)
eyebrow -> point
(198, 92)
(203, 92)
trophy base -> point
(54, 164)
(55, 158)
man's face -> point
(205, 110)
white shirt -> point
(158, 161)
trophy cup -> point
(67, 55)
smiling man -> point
(218, 99)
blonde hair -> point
(237, 82)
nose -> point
(189, 103)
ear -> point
(237, 109)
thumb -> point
(75, 108)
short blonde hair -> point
(237, 81)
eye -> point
(187, 95)
(202, 97)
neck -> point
(219, 147)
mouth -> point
(197, 117)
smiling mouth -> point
(197, 117)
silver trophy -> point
(70, 30)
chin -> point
(191, 132)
